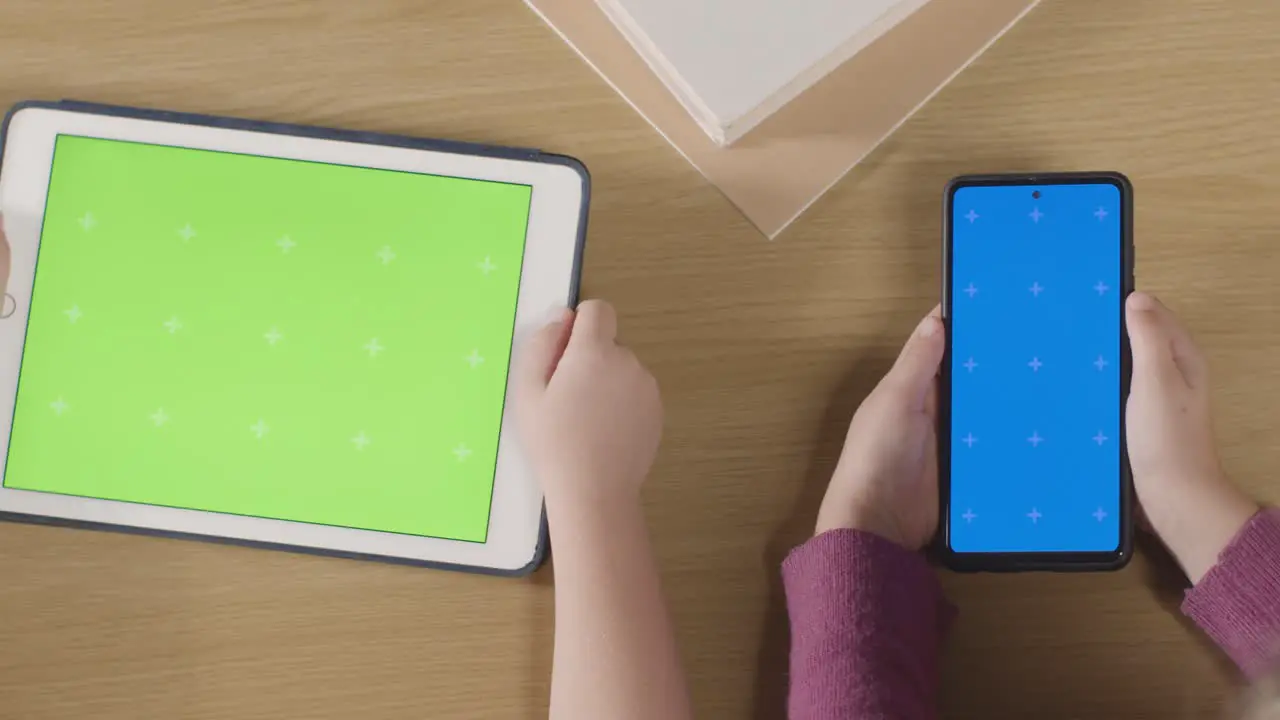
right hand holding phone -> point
(1190, 503)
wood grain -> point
(763, 350)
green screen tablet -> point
(275, 338)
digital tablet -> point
(276, 335)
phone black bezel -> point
(1053, 561)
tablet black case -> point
(367, 138)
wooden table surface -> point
(763, 350)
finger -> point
(1153, 339)
(541, 354)
(917, 365)
(597, 323)
(931, 395)
(931, 400)
(1186, 354)
(4, 260)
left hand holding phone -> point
(886, 481)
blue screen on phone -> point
(1035, 393)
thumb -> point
(596, 323)
(537, 360)
(917, 365)
(1150, 341)
(4, 260)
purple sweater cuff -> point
(1237, 603)
(867, 621)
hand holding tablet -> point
(572, 382)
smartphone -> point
(1033, 470)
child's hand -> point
(1187, 498)
(887, 479)
(590, 414)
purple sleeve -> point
(1238, 601)
(867, 623)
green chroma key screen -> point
(267, 337)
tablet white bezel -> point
(546, 281)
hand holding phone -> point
(887, 479)
(1189, 501)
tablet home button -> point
(10, 305)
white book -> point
(733, 63)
